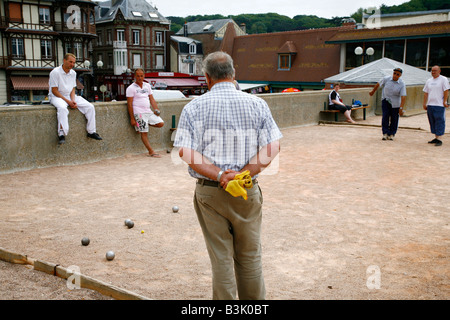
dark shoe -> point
(94, 136)
(438, 143)
(61, 139)
(433, 141)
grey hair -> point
(219, 66)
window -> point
(15, 12)
(153, 15)
(120, 35)
(394, 50)
(46, 49)
(159, 61)
(99, 38)
(136, 37)
(136, 60)
(44, 15)
(158, 39)
(191, 68)
(109, 38)
(110, 61)
(416, 52)
(284, 62)
(440, 55)
(192, 48)
(17, 48)
(68, 47)
(78, 50)
(137, 14)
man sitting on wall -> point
(62, 95)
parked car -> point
(168, 94)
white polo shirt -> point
(65, 82)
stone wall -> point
(28, 137)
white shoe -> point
(385, 136)
(390, 138)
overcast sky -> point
(290, 8)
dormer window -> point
(207, 27)
(284, 62)
(286, 56)
(192, 48)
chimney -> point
(185, 29)
(244, 27)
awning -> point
(34, 83)
(173, 82)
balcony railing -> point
(120, 45)
(29, 26)
(30, 63)
(84, 28)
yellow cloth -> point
(237, 187)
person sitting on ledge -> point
(335, 103)
(62, 83)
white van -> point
(168, 94)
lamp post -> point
(87, 65)
(359, 52)
(99, 66)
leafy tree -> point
(274, 22)
(258, 27)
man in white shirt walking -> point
(62, 83)
(435, 101)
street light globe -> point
(358, 51)
(100, 63)
(370, 51)
(87, 63)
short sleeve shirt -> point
(226, 126)
(141, 101)
(435, 88)
(65, 82)
(333, 96)
(393, 91)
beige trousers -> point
(232, 228)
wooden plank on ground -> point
(13, 257)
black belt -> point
(210, 183)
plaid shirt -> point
(227, 126)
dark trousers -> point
(389, 121)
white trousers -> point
(62, 111)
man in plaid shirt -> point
(221, 134)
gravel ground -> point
(346, 216)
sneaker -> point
(433, 141)
(390, 138)
(94, 136)
(438, 143)
(61, 139)
(385, 137)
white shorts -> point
(144, 120)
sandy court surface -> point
(346, 216)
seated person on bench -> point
(335, 103)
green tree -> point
(258, 27)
